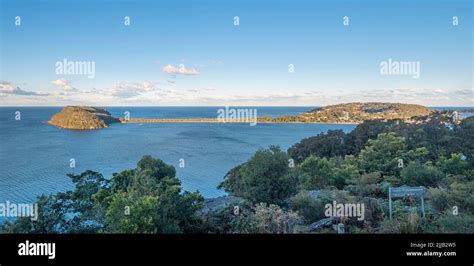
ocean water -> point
(35, 156)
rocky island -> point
(82, 117)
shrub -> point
(274, 220)
(264, 178)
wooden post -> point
(390, 201)
(340, 228)
(423, 206)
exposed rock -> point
(212, 204)
(326, 222)
(82, 117)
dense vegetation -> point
(357, 113)
(146, 199)
(82, 118)
(285, 192)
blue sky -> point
(226, 64)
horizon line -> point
(312, 106)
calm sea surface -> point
(35, 156)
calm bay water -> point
(35, 156)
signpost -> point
(340, 228)
(401, 192)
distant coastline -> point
(87, 117)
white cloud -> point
(129, 90)
(63, 84)
(466, 92)
(8, 88)
(206, 89)
(181, 70)
(155, 93)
